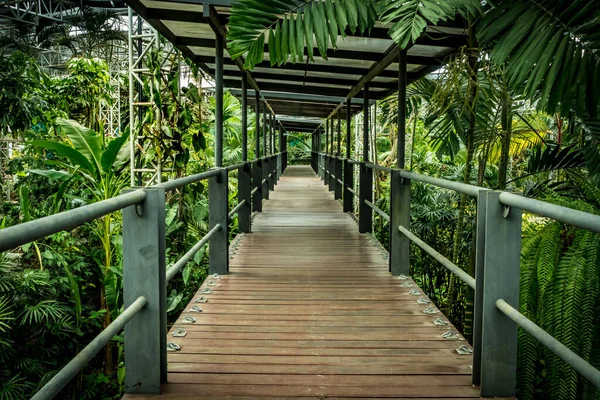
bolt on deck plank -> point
(310, 311)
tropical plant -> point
(560, 291)
(99, 167)
(293, 25)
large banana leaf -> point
(85, 141)
(73, 155)
(116, 154)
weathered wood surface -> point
(310, 311)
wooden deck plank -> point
(310, 311)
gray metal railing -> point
(144, 272)
(498, 248)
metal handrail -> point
(188, 180)
(571, 216)
(23, 233)
(587, 370)
(352, 191)
(69, 371)
(26, 232)
(378, 167)
(236, 209)
(171, 272)
(235, 166)
(378, 210)
(466, 278)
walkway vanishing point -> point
(309, 310)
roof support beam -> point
(212, 18)
(376, 69)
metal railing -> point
(497, 261)
(144, 261)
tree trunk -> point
(506, 121)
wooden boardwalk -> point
(309, 310)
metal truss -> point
(146, 155)
(31, 11)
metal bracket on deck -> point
(430, 310)
(423, 300)
(201, 299)
(179, 332)
(414, 292)
(188, 319)
(402, 277)
(450, 335)
(211, 283)
(195, 309)
(440, 322)
(215, 276)
(464, 350)
(407, 284)
(206, 291)
(173, 346)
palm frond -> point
(410, 18)
(550, 45)
(291, 25)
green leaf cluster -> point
(560, 291)
(293, 27)
(550, 49)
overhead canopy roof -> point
(303, 89)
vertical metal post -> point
(257, 126)
(282, 150)
(265, 160)
(365, 213)
(285, 152)
(399, 216)
(338, 162)
(244, 117)
(402, 82)
(219, 101)
(272, 167)
(257, 167)
(320, 150)
(144, 275)
(366, 123)
(244, 191)
(339, 134)
(257, 184)
(332, 159)
(500, 281)
(326, 155)
(338, 177)
(365, 192)
(348, 168)
(348, 123)
(348, 183)
(218, 208)
(479, 268)
(264, 130)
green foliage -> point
(409, 19)
(23, 96)
(550, 51)
(291, 26)
(560, 291)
